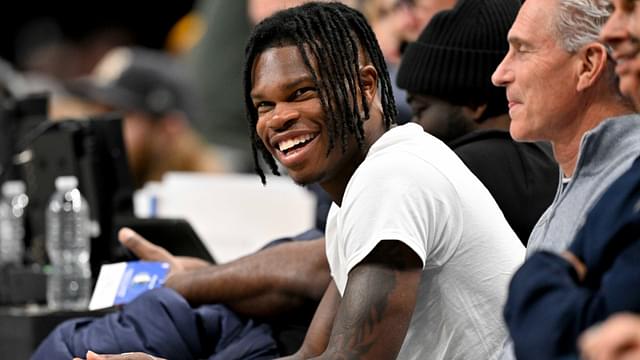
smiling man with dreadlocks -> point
(420, 254)
(410, 229)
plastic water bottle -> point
(12, 212)
(68, 247)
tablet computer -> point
(175, 235)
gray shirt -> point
(606, 152)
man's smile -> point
(291, 150)
(288, 145)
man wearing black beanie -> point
(447, 73)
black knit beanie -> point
(457, 52)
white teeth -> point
(289, 143)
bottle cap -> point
(66, 182)
(13, 187)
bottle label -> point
(122, 282)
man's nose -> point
(284, 115)
(502, 75)
(615, 29)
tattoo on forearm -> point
(372, 296)
(365, 302)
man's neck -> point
(566, 148)
(567, 156)
(337, 184)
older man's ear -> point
(593, 61)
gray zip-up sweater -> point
(606, 152)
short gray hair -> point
(578, 22)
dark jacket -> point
(548, 307)
(161, 322)
(521, 177)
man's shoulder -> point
(481, 137)
(410, 161)
(407, 143)
(620, 202)
(498, 148)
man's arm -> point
(596, 277)
(372, 318)
(317, 338)
(378, 303)
(263, 284)
(548, 293)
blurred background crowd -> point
(66, 50)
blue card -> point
(120, 283)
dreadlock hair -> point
(333, 35)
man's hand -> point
(126, 356)
(265, 284)
(146, 250)
(617, 338)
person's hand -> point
(126, 356)
(617, 338)
(145, 250)
(578, 265)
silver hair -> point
(578, 22)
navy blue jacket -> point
(162, 323)
(548, 307)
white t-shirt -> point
(412, 188)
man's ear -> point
(474, 113)
(369, 77)
(593, 61)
